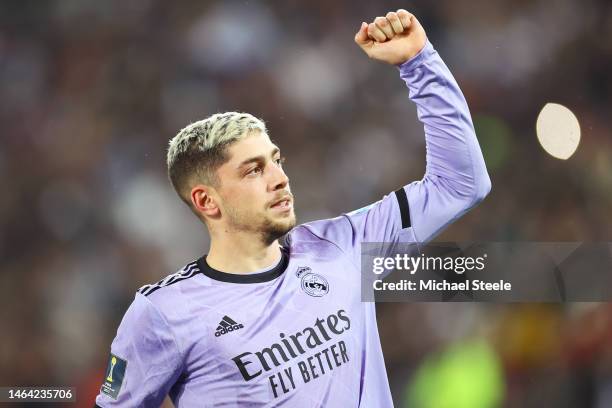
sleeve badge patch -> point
(114, 376)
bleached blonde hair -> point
(198, 150)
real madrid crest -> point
(314, 284)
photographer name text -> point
(442, 285)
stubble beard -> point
(272, 230)
(264, 226)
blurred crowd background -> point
(91, 91)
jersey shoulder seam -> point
(166, 323)
(307, 228)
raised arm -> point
(456, 178)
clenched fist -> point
(393, 39)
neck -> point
(241, 252)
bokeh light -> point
(558, 131)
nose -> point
(278, 178)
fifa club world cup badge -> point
(315, 285)
(114, 376)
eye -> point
(255, 170)
(280, 161)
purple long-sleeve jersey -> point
(297, 335)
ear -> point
(203, 200)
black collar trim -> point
(265, 276)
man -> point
(256, 324)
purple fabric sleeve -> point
(153, 361)
(455, 179)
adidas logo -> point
(226, 325)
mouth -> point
(283, 204)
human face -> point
(254, 189)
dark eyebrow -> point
(258, 158)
